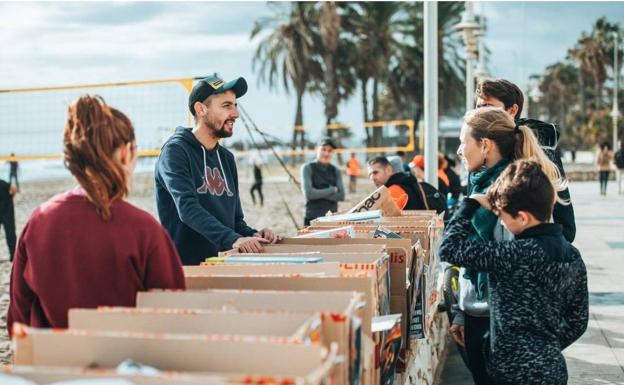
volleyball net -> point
(32, 120)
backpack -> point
(619, 159)
(433, 199)
(547, 135)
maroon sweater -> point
(69, 257)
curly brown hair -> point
(523, 186)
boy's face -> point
(516, 224)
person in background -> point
(13, 168)
(403, 187)
(418, 166)
(406, 191)
(7, 215)
(321, 183)
(257, 185)
(604, 158)
(619, 166)
(405, 164)
(197, 193)
(353, 171)
(455, 187)
(89, 247)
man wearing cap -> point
(197, 193)
(321, 183)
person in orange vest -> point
(418, 166)
(353, 171)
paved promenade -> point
(598, 357)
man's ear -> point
(513, 111)
(198, 107)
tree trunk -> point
(363, 84)
(598, 91)
(583, 102)
(331, 108)
(376, 130)
(298, 127)
(417, 116)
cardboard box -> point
(295, 327)
(329, 268)
(364, 285)
(374, 265)
(46, 375)
(399, 250)
(379, 199)
(298, 248)
(171, 352)
(340, 311)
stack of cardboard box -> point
(346, 316)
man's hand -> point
(457, 332)
(482, 199)
(249, 244)
(268, 235)
(12, 190)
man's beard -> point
(220, 132)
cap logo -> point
(215, 84)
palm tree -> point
(372, 26)
(560, 88)
(592, 54)
(288, 51)
(329, 24)
(581, 57)
(406, 73)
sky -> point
(67, 43)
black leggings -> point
(257, 186)
(7, 220)
(604, 178)
(475, 330)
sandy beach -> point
(273, 215)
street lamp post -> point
(535, 96)
(481, 72)
(431, 92)
(468, 27)
(615, 112)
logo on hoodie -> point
(214, 183)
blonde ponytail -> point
(513, 142)
(527, 147)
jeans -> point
(604, 178)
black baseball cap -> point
(327, 141)
(214, 85)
